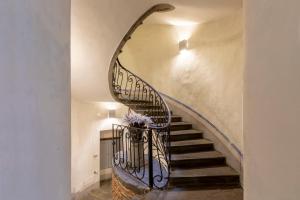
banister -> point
(127, 88)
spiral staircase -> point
(169, 153)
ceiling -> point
(194, 11)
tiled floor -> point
(104, 193)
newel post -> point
(150, 158)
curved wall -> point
(272, 100)
(208, 77)
(35, 100)
(97, 29)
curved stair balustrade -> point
(147, 159)
(145, 153)
(139, 96)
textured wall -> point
(272, 100)
(35, 100)
(208, 77)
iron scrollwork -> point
(128, 142)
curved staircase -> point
(177, 156)
(194, 161)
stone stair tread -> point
(196, 155)
(173, 116)
(203, 172)
(149, 110)
(142, 104)
(182, 132)
(135, 101)
(190, 142)
(180, 123)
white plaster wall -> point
(35, 100)
(208, 77)
(85, 144)
(272, 100)
(88, 118)
(98, 27)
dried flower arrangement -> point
(137, 120)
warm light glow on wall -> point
(110, 105)
(179, 22)
(182, 62)
(106, 124)
(184, 58)
(184, 32)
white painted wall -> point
(88, 118)
(272, 100)
(208, 77)
(35, 100)
(85, 144)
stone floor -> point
(104, 193)
(232, 194)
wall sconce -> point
(111, 107)
(111, 113)
(183, 45)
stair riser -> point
(198, 163)
(143, 107)
(152, 113)
(191, 148)
(182, 137)
(173, 119)
(176, 119)
(181, 127)
(206, 182)
(130, 101)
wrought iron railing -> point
(133, 152)
(152, 165)
(143, 153)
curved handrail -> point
(153, 9)
(129, 89)
(153, 126)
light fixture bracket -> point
(183, 45)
